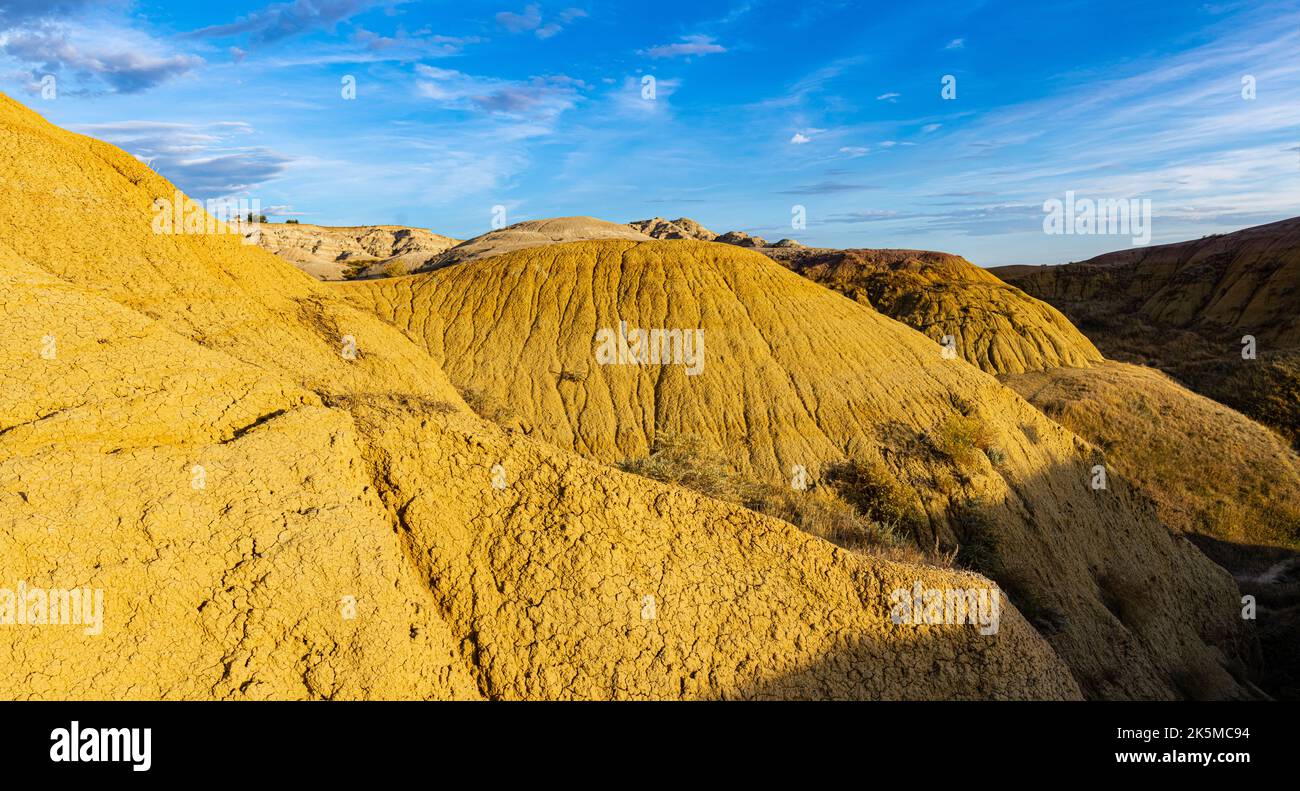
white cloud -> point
(689, 45)
(518, 23)
(799, 138)
(125, 60)
(888, 97)
(957, 43)
(539, 100)
(531, 19)
(205, 160)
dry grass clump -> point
(689, 461)
(874, 492)
(859, 508)
(488, 408)
(962, 437)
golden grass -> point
(1209, 469)
(857, 507)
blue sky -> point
(758, 107)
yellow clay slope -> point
(795, 374)
(269, 517)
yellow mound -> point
(994, 326)
(795, 375)
(267, 515)
(338, 253)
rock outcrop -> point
(680, 228)
(339, 253)
(741, 239)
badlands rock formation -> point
(337, 253)
(996, 327)
(533, 233)
(741, 239)
(1186, 309)
(281, 496)
(680, 228)
(795, 374)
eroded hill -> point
(281, 496)
(532, 233)
(796, 376)
(1186, 308)
(996, 327)
(339, 253)
(1227, 482)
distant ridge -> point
(1187, 308)
(342, 252)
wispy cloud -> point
(538, 97)
(697, 44)
(117, 59)
(285, 20)
(810, 85)
(827, 188)
(404, 45)
(869, 215)
(204, 160)
(13, 12)
(530, 19)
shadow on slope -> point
(1272, 575)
